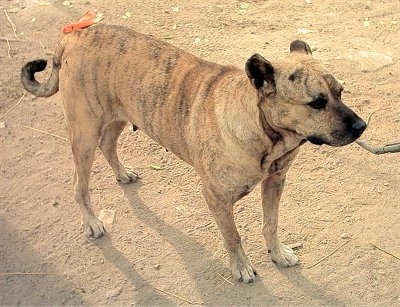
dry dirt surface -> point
(163, 246)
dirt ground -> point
(164, 248)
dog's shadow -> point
(186, 246)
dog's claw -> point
(245, 273)
(127, 176)
(93, 228)
(283, 256)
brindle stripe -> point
(184, 99)
(122, 45)
(96, 80)
(212, 82)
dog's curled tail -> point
(48, 88)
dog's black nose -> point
(358, 127)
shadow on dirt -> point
(308, 288)
(146, 294)
(199, 268)
(18, 286)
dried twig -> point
(295, 245)
(12, 24)
(42, 46)
(229, 282)
(2, 38)
(19, 101)
(327, 256)
(9, 49)
(381, 249)
(22, 273)
(178, 297)
(45, 132)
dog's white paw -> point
(93, 227)
(127, 175)
(283, 256)
(243, 271)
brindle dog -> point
(236, 127)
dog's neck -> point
(273, 135)
(239, 118)
(244, 123)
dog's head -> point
(298, 94)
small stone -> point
(107, 217)
(157, 267)
(2, 125)
(345, 236)
(113, 293)
(56, 201)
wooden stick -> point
(229, 282)
(381, 249)
(9, 49)
(178, 297)
(22, 273)
(45, 132)
(2, 38)
(19, 101)
(12, 24)
(42, 46)
(327, 256)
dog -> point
(236, 127)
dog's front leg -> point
(222, 211)
(271, 189)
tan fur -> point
(236, 127)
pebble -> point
(345, 236)
(113, 293)
(2, 125)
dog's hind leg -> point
(108, 145)
(271, 189)
(83, 144)
(222, 211)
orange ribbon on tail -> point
(86, 20)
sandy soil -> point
(164, 247)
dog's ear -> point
(300, 46)
(261, 73)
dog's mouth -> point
(335, 142)
(317, 140)
(339, 138)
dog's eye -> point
(319, 103)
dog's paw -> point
(93, 228)
(243, 272)
(283, 256)
(127, 176)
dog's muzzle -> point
(351, 130)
